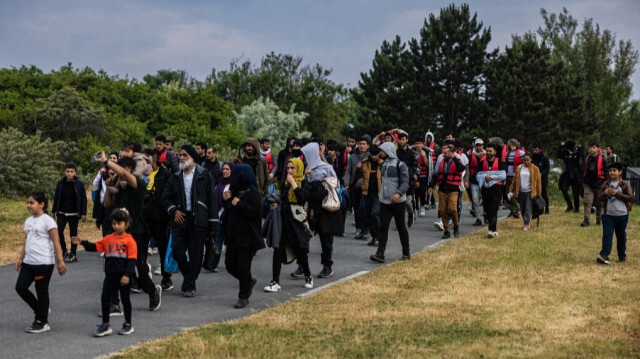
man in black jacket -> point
(212, 164)
(190, 200)
(69, 206)
(540, 160)
(410, 158)
(571, 177)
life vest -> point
(269, 158)
(163, 156)
(599, 167)
(453, 177)
(474, 164)
(517, 160)
(345, 159)
(434, 156)
(424, 169)
(494, 167)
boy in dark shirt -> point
(69, 206)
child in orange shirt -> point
(120, 253)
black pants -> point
(279, 254)
(62, 221)
(395, 210)
(188, 237)
(145, 282)
(326, 242)
(491, 199)
(110, 286)
(159, 230)
(238, 262)
(545, 194)
(421, 192)
(41, 274)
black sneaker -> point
(363, 236)
(569, 209)
(38, 327)
(155, 299)
(114, 311)
(597, 221)
(299, 273)
(71, 258)
(325, 273)
(166, 284)
(603, 260)
(126, 329)
(135, 287)
(456, 231)
(446, 235)
(372, 242)
(102, 330)
(242, 302)
(410, 220)
(622, 260)
(378, 257)
(514, 214)
(584, 223)
(405, 257)
(189, 293)
(477, 222)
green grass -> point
(535, 294)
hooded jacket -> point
(352, 168)
(395, 176)
(262, 177)
(435, 150)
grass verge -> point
(524, 294)
(12, 216)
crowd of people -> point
(191, 206)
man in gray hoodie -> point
(394, 186)
(353, 180)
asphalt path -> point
(75, 297)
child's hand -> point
(124, 281)
(75, 240)
(62, 268)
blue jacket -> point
(81, 196)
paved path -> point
(75, 298)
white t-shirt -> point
(39, 246)
(188, 181)
(525, 179)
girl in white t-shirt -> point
(37, 260)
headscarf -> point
(223, 182)
(242, 179)
(298, 177)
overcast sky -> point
(133, 38)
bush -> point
(28, 163)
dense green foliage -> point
(545, 88)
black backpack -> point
(152, 210)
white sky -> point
(133, 38)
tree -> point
(263, 119)
(435, 83)
(65, 115)
(602, 69)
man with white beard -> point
(190, 199)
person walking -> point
(69, 206)
(539, 159)
(491, 180)
(512, 158)
(190, 200)
(526, 185)
(293, 235)
(37, 258)
(242, 229)
(571, 155)
(448, 179)
(616, 196)
(394, 185)
(593, 175)
(475, 157)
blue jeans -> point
(617, 224)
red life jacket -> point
(345, 158)
(599, 167)
(163, 156)
(494, 167)
(474, 164)
(269, 159)
(434, 156)
(453, 177)
(424, 169)
(517, 160)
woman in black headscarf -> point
(242, 229)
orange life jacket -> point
(474, 164)
(517, 160)
(452, 177)
(599, 167)
(494, 167)
(424, 169)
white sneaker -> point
(155, 250)
(158, 270)
(150, 251)
(438, 225)
(490, 234)
(308, 282)
(495, 234)
(272, 287)
(423, 211)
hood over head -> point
(254, 143)
(389, 148)
(312, 155)
(428, 134)
(242, 179)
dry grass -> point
(12, 216)
(526, 294)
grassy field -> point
(12, 216)
(525, 294)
